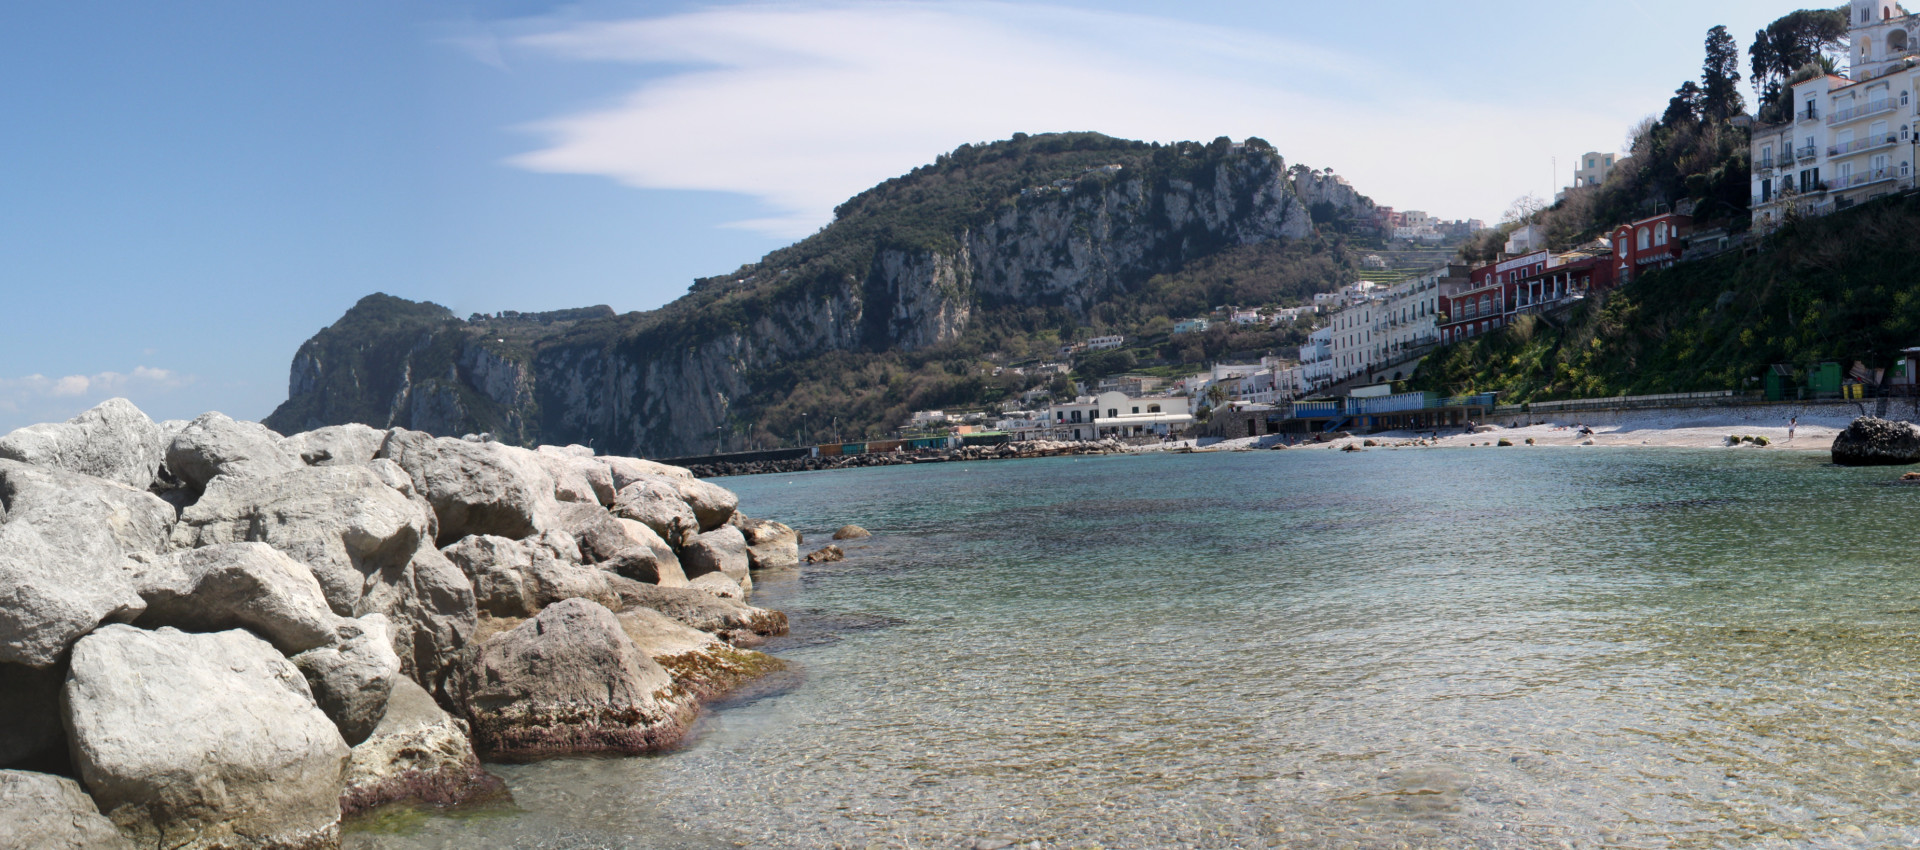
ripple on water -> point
(1437, 648)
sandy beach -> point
(1664, 428)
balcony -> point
(1863, 178)
(1763, 165)
(1858, 145)
(1808, 153)
(1842, 116)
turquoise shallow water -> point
(1419, 648)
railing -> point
(1807, 153)
(1400, 403)
(1622, 402)
(1315, 409)
(1861, 179)
(1860, 145)
(1765, 164)
(1850, 113)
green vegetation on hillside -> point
(1841, 288)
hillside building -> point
(1848, 140)
(1648, 244)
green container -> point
(1824, 379)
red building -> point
(1648, 244)
(1525, 284)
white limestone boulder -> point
(342, 522)
(571, 681)
(719, 584)
(337, 445)
(237, 586)
(216, 444)
(202, 740)
(475, 487)
(512, 578)
(627, 470)
(66, 547)
(40, 811)
(770, 545)
(722, 550)
(431, 605)
(711, 503)
(352, 679)
(577, 478)
(114, 441)
(656, 503)
(621, 546)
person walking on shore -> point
(1792, 423)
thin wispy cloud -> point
(801, 106)
(37, 393)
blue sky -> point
(189, 191)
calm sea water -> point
(1420, 648)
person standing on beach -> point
(1792, 423)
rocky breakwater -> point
(216, 636)
(1877, 442)
(1004, 451)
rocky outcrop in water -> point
(1877, 442)
(1062, 225)
(280, 641)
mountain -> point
(1842, 288)
(992, 255)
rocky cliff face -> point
(662, 384)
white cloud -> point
(56, 399)
(803, 106)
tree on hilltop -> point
(1786, 46)
(1720, 78)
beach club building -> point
(1117, 415)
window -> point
(1766, 190)
(1153, 408)
(1660, 233)
(1644, 236)
(1112, 413)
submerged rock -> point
(571, 681)
(852, 532)
(202, 741)
(730, 619)
(699, 662)
(826, 555)
(417, 753)
(39, 811)
(1877, 442)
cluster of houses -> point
(1847, 140)
(1417, 226)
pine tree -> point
(1720, 77)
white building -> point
(1190, 326)
(1593, 169)
(1116, 415)
(1848, 140)
(1316, 360)
(1105, 343)
(1246, 317)
(1527, 239)
(929, 418)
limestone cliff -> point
(1064, 223)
